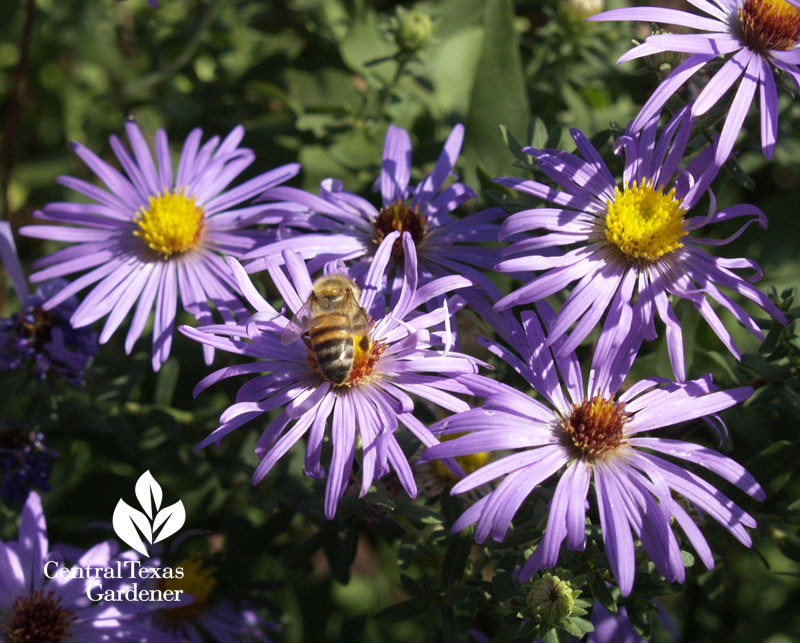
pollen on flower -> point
(171, 224)
(768, 24)
(366, 356)
(399, 216)
(197, 580)
(594, 428)
(39, 617)
(644, 223)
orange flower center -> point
(769, 24)
(594, 428)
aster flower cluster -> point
(360, 361)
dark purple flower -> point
(631, 242)
(154, 236)
(25, 462)
(759, 35)
(590, 432)
(43, 339)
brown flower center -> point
(768, 24)
(399, 216)
(594, 428)
(39, 618)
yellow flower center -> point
(644, 223)
(594, 429)
(768, 24)
(172, 223)
(469, 463)
(197, 581)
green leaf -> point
(578, 627)
(499, 75)
(340, 550)
(406, 552)
(504, 587)
(364, 44)
(603, 594)
(449, 628)
(166, 381)
(776, 465)
(550, 636)
(405, 610)
(537, 133)
(412, 586)
(455, 559)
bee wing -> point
(359, 320)
(298, 324)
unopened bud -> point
(550, 600)
(414, 29)
(664, 61)
(579, 10)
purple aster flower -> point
(760, 35)
(40, 600)
(41, 338)
(219, 620)
(154, 236)
(586, 433)
(397, 357)
(341, 225)
(25, 462)
(631, 241)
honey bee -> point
(334, 322)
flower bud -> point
(413, 30)
(550, 600)
(579, 10)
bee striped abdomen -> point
(331, 341)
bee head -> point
(334, 291)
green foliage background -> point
(319, 81)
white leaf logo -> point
(148, 489)
(135, 527)
(172, 518)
